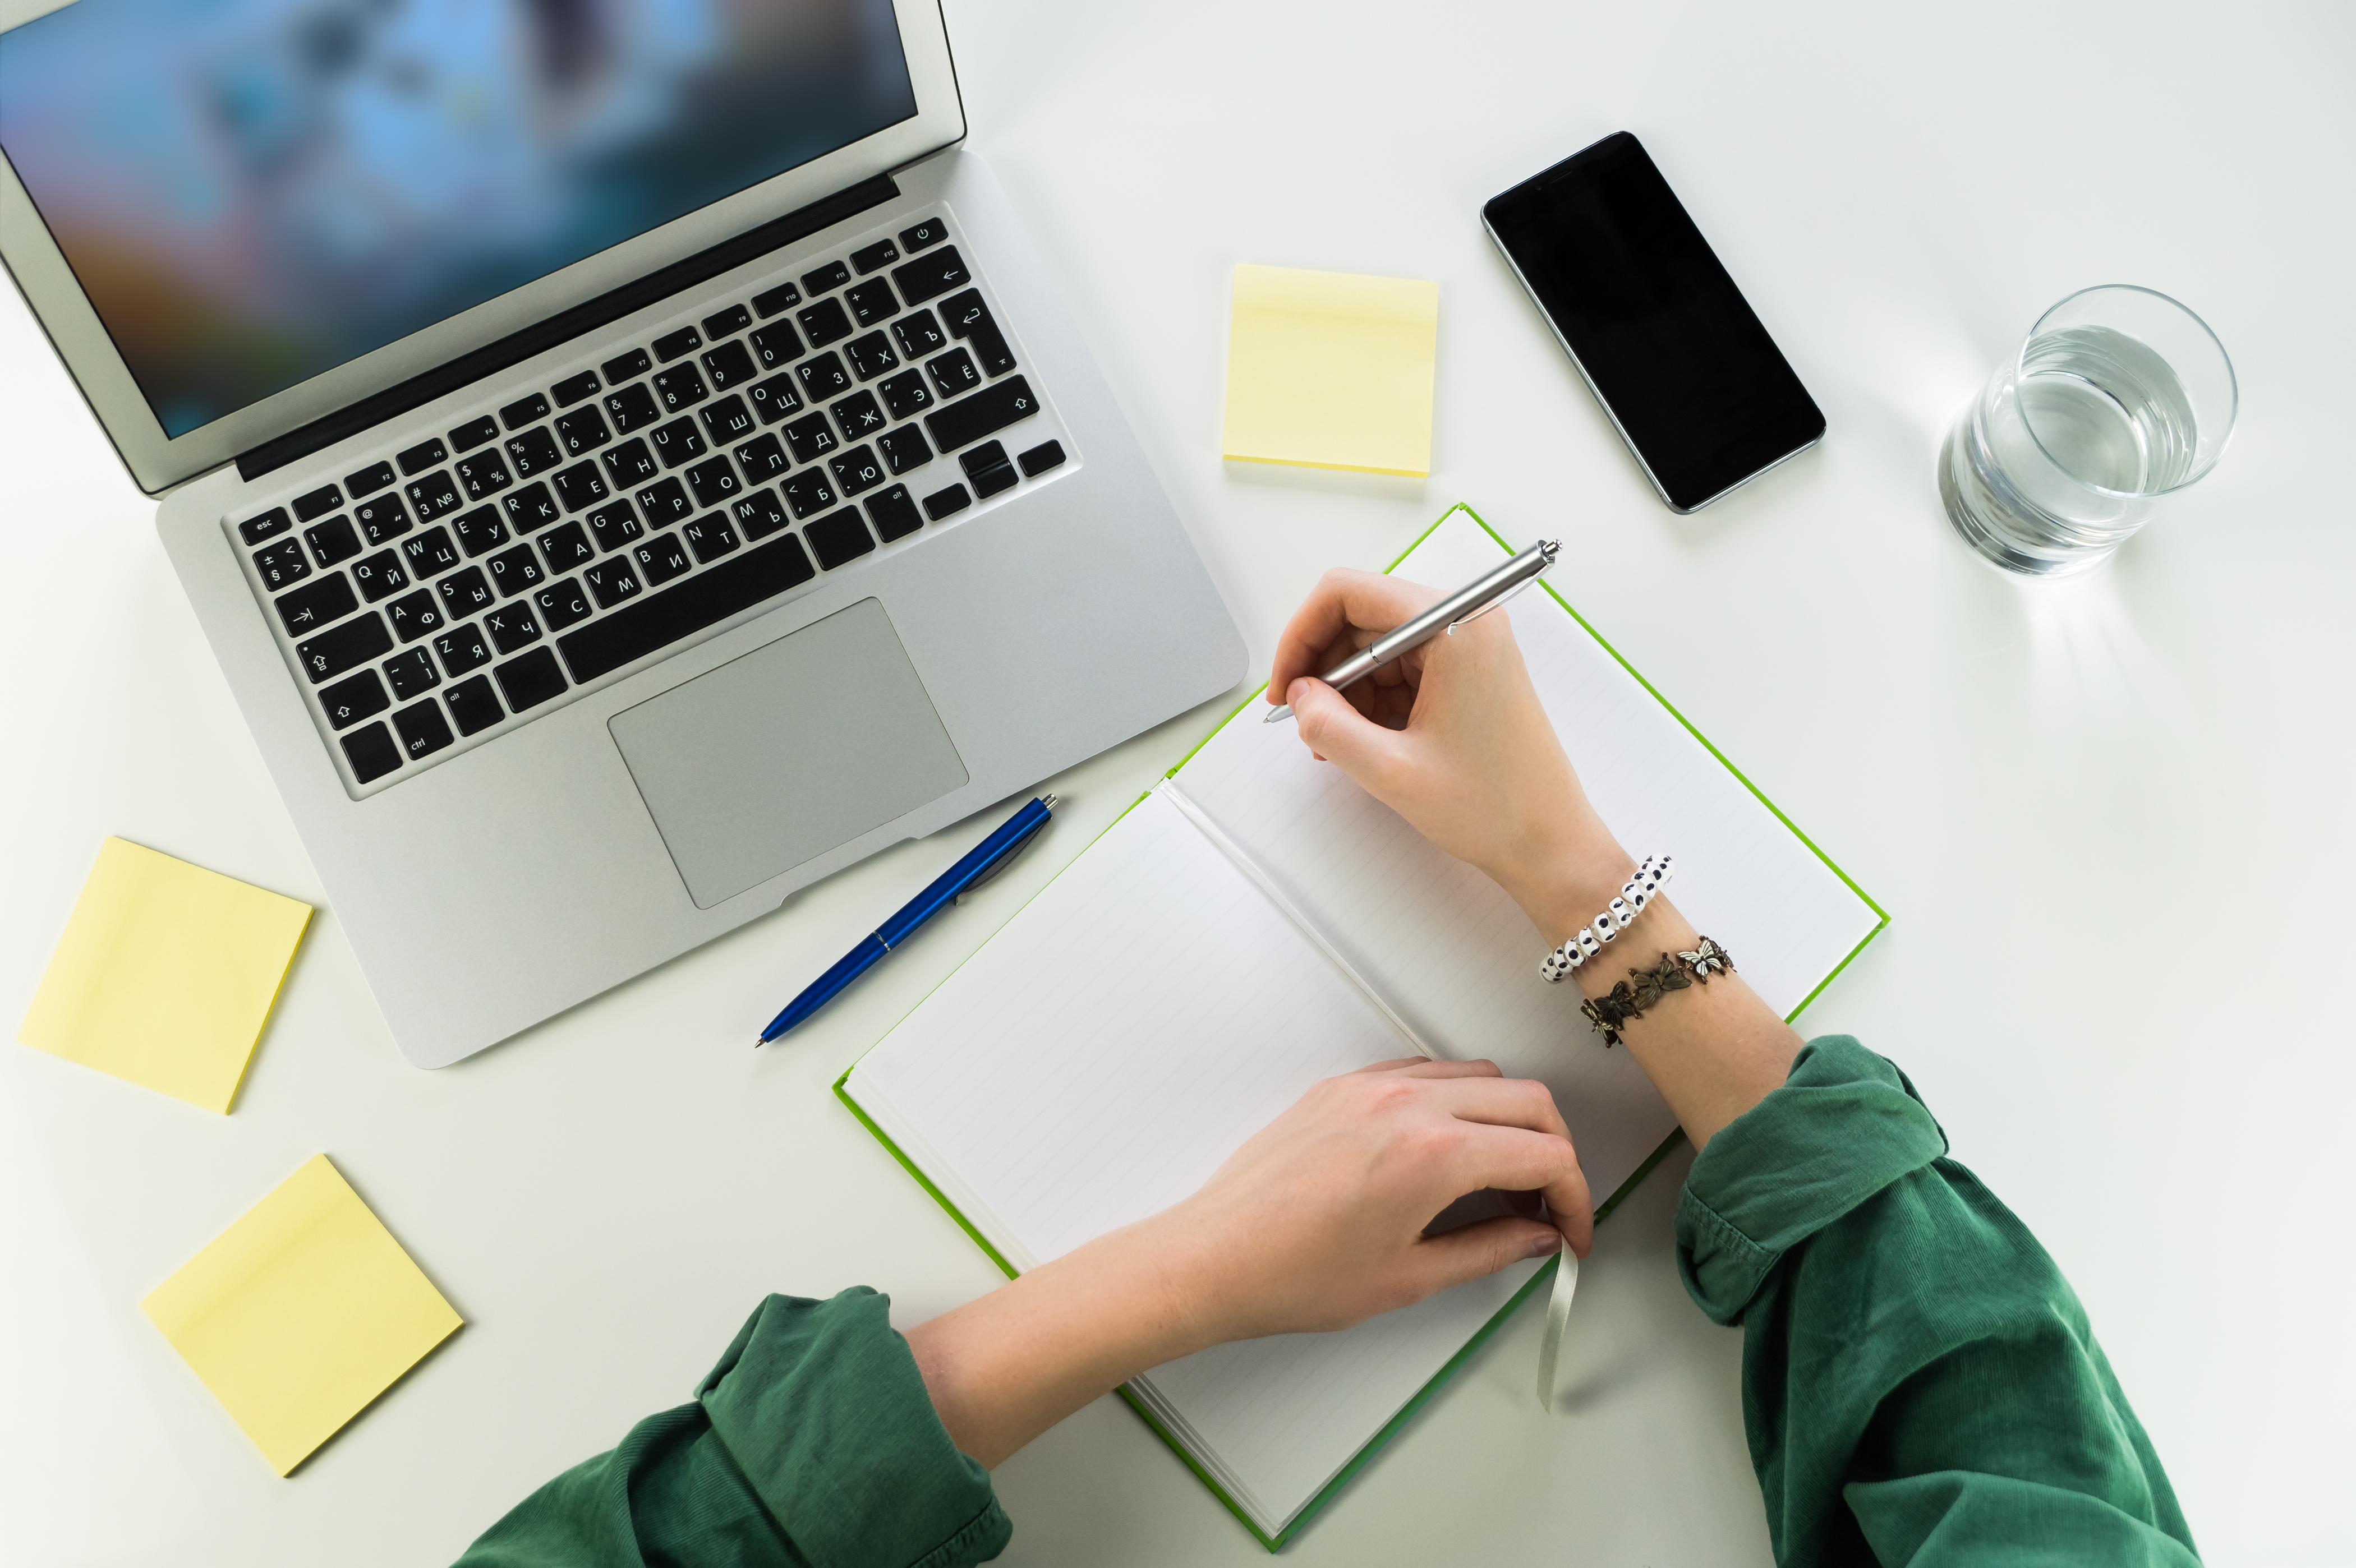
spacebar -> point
(704, 600)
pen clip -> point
(1005, 860)
(1499, 603)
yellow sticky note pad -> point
(1330, 371)
(301, 1313)
(165, 975)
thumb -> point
(1337, 731)
(1478, 1251)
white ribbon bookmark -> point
(1566, 1286)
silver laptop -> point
(626, 456)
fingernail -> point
(1545, 1245)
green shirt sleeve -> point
(811, 1445)
(1920, 1385)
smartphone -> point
(1665, 340)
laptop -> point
(626, 455)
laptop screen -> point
(252, 192)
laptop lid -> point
(235, 218)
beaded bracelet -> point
(1674, 972)
(1589, 940)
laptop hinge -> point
(585, 317)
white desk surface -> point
(2110, 819)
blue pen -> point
(989, 857)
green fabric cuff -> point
(1843, 1126)
(820, 1405)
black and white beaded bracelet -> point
(1591, 939)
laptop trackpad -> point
(781, 754)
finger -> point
(1342, 601)
(1519, 1160)
(1392, 1065)
(1425, 1067)
(1342, 735)
(1478, 1251)
(1503, 1101)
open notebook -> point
(1257, 923)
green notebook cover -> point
(1373, 1444)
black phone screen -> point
(1664, 338)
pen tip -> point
(1277, 714)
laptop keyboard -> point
(473, 580)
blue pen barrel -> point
(820, 991)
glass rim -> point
(2233, 387)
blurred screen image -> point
(252, 192)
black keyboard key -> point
(676, 443)
(422, 729)
(332, 541)
(631, 464)
(858, 415)
(774, 399)
(954, 373)
(671, 345)
(871, 356)
(317, 503)
(515, 571)
(709, 537)
(372, 752)
(429, 555)
(775, 344)
(762, 459)
(894, 513)
(566, 547)
(524, 412)
(867, 258)
(727, 323)
(474, 705)
(707, 598)
(482, 475)
(872, 302)
(833, 275)
(579, 486)
(530, 680)
(573, 389)
(931, 231)
(809, 493)
(906, 394)
(759, 515)
(729, 366)
(463, 593)
(823, 377)
(431, 496)
(369, 480)
(728, 421)
(561, 605)
(346, 647)
(680, 387)
(919, 335)
(611, 581)
(857, 469)
(632, 408)
(1046, 455)
(425, 454)
(534, 452)
(970, 319)
(626, 366)
(665, 503)
(411, 674)
(268, 526)
(715, 483)
(810, 439)
(531, 509)
(905, 448)
(282, 564)
(583, 430)
(839, 538)
(768, 302)
(824, 322)
(379, 576)
(613, 526)
(988, 470)
(659, 558)
(985, 413)
(462, 650)
(313, 605)
(473, 433)
(941, 503)
(354, 698)
(931, 277)
(479, 530)
(414, 615)
(382, 520)
(512, 626)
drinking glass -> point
(2119, 398)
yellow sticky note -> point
(165, 975)
(301, 1313)
(1330, 371)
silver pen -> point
(1475, 599)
